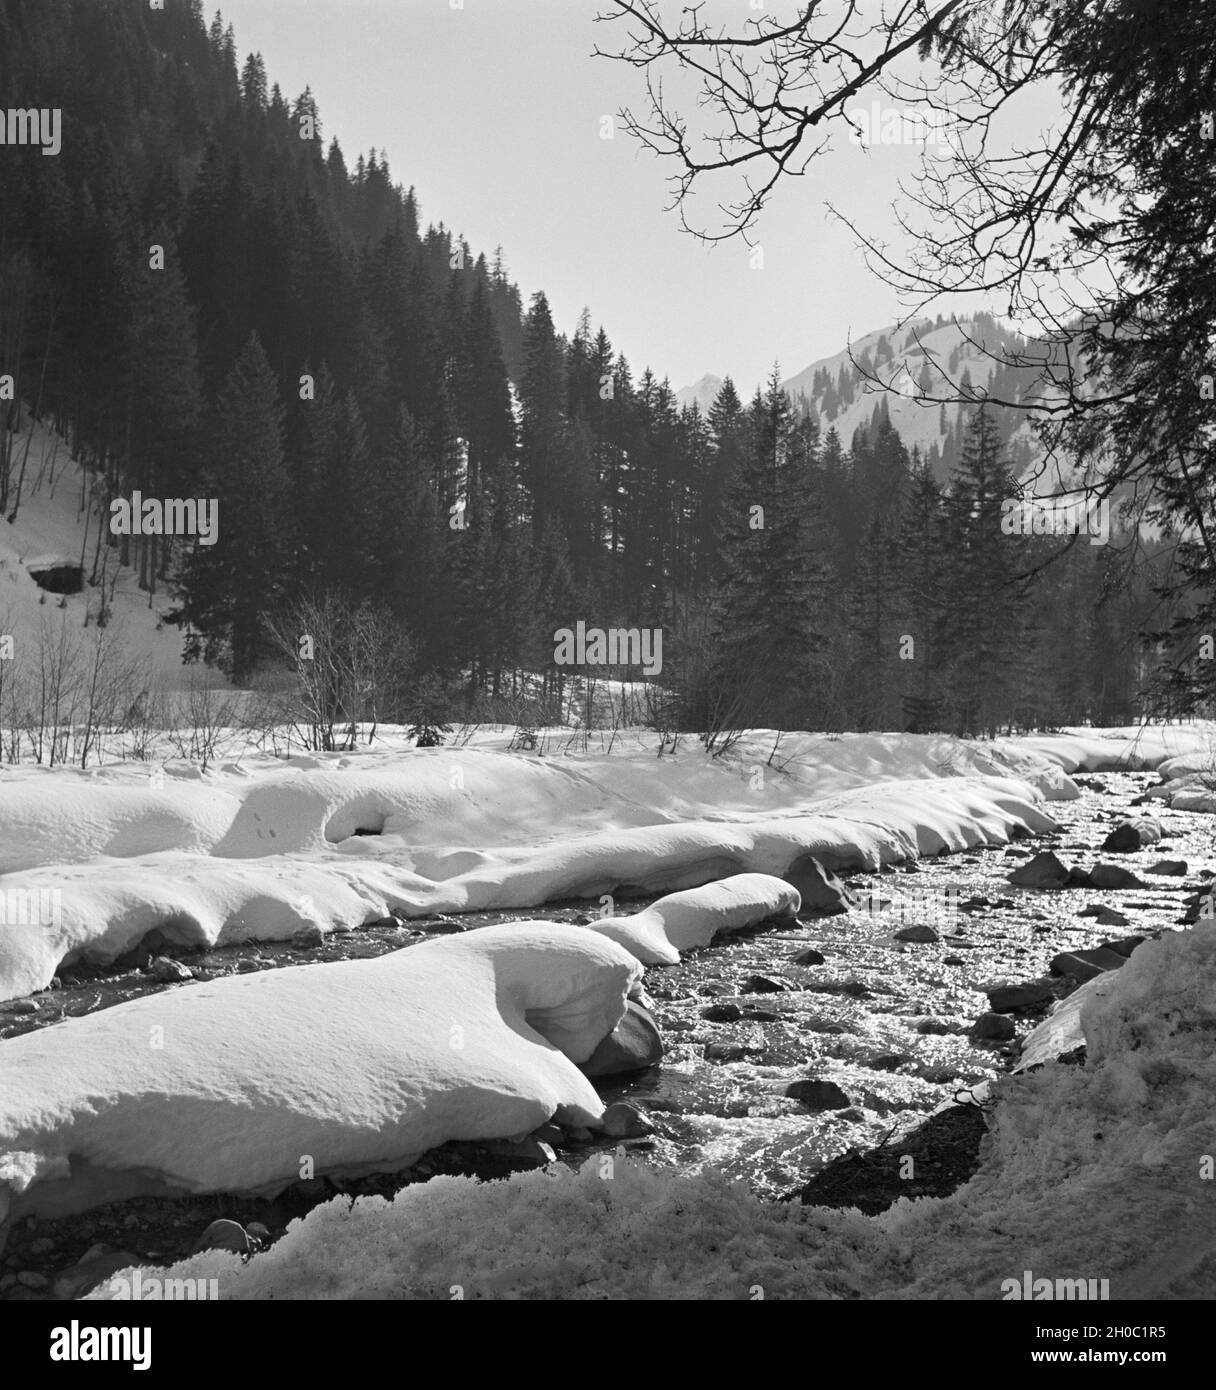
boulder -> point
(1132, 835)
(933, 1027)
(169, 971)
(1045, 870)
(992, 1027)
(808, 957)
(1006, 998)
(818, 1095)
(1114, 876)
(918, 932)
(633, 1045)
(764, 984)
(1125, 945)
(441, 926)
(1173, 868)
(1109, 917)
(521, 1155)
(888, 1061)
(1084, 965)
(722, 1013)
(820, 889)
(624, 1121)
(223, 1235)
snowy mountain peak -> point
(703, 392)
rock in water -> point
(1175, 868)
(1125, 945)
(1108, 917)
(1114, 876)
(307, 937)
(918, 932)
(522, 1155)
(625, 1121)
(764, 984)
(259, 1236)
(993, 1028)
(808, 957)
(1005, 998)
(1132, 835)
(1043, 871)
(93, 1267)
(223, 1235)
(818, 1095)
(440, 926)
(169, 971)
(1084, 965)
(633, 1045)
(821, 890)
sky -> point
(494, 112)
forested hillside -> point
(206, 299)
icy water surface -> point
(886, 1021)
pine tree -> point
(984, 569)
(922, 549)
(231, 585)
(542, 426)
(767, 646)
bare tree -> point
(1093, 234)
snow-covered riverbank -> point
(563, 828)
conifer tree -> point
(230, 586)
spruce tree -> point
(230, 586)
(768, 649)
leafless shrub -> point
(351, 666)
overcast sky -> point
(493, 112)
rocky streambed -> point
(801, 1058)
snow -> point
(50, 528)
(683, 921)
(358, 1065)
(236, 1084)
(1090, 1171)
(1131, 748)
(257, 847)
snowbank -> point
(1091, 1172)
(359, 1065)
(256, 849)
(233, 1085)
(684, 921)
(1130, 749)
